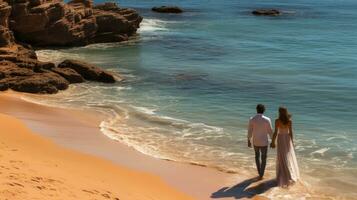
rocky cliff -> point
(27, 23)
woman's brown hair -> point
(284, 115)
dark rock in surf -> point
(266, 12)
(115, 24)
(9, 69)
(26, 80)
(167, 9)
(69, 74)
(88, 71)
(48, 83)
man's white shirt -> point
(258, 129)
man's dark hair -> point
(260, 108)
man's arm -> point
(250, 133)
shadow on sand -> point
(241, 190)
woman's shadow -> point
(241, 190)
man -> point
(258, 130)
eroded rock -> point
(55, 23)
(88, 71)
(266, 12)
(48, 82)
(24, 23)
(167, 9)
(69, 74)
(114, 23)
(26, 80)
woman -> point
(287, 170)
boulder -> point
(266, 12)
(48, 83)
(9, 69)
(52, 22)
(115, 24)
(167, 9)
(69, 74)
(26, 80)
(88, 71)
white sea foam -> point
(149, 111)
(340, 137)
(153, 25)
(350, 155)
(320, 151)
(56, 56)
(103, 46)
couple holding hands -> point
(260, 127)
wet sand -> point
(78, 131)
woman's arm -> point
(272, 145)
(291, 131)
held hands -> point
(272, 145)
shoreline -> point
(79, 131)
(60, 125)
(33, 167)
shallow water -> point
(193, 80)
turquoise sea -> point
(194, 79)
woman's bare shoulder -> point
(277, 121)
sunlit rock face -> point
(27, 23)
(55, 23)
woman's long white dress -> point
(287, 169)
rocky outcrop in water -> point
(27, 80)
(69, 74)
(114, 23)
(45, 78)
(167, 9)
(266, 12)
(24, 23)
(55, 23)
(88, 71)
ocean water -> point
(194, 79)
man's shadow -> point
(241, 190)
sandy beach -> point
(35, 168)
(52, 153)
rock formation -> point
(114, 23)
(167, 9)
(87, 71)
(54, 23)
(266, 12)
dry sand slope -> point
(34, 168)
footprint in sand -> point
(106, 194)
(14, 184)
(41, 187)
